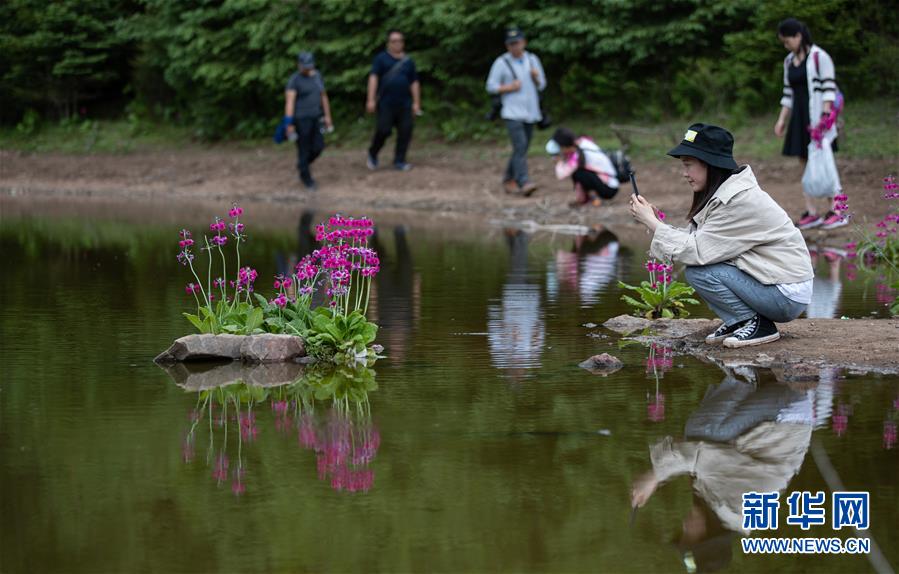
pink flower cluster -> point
(185, 256)
(246, 276)
(192, 288)
(889, 187)
(219, 239)
(655, 267)
(345, 253)
(888, 225)
(218, 226)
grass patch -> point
(870, 131)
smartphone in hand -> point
(633, 177)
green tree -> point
(58, 55)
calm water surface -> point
(477, 445)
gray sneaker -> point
(371, 162)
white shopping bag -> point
(821, 178)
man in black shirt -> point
(395, 94)
(306, 101)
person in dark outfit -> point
(306, 101)
(394, 93)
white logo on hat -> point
(690, 136)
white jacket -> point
(743, 226)
(822, 85)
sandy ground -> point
(806, 346)
(460, 184)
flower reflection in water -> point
(342, 435)
(344, 450)
(659, 361)
(889, 434)
(840, 419)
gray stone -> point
(662, 328)
(604, 364)
(202, 347)
(271, 348)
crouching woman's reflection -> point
(743, 437)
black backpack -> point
(621, 163)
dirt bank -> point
(806, 346)
(455, 183)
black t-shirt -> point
(309, 95)
(396, 91)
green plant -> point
(344, 267)
(661, 296)
(344, 340)
(878, 250)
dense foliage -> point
(220, 65)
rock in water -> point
(271, 348)
(604, 364)
(202, 347)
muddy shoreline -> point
(806, 346)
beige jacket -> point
(763, 459)
(743, 226)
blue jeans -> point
(736, 296)
(520, 134)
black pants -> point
(310, 144)
(590, 181)
(387, 119)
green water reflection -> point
(479, 445)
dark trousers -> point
(388, 118)
(590, 181)
(310, 144)
(520, 135)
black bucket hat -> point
(711, 144)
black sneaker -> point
(755, 331)
(311, 185)
(723, 332)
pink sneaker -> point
(808, 221)
(832, 221)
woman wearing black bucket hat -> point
(742, 253)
